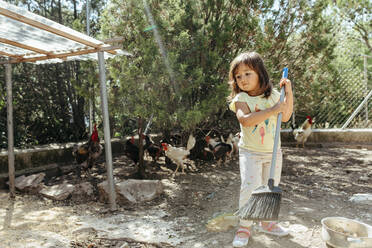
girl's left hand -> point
(287, 83)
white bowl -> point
(340, 232)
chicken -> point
(220, 150)
(88, 153)
(198, 152)
(303, 132)
(179, 154)
(154, 150)
(233, 140)
(131, 150)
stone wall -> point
(28, 160)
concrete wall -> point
(347, 136)
(60, 154)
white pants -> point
(254, 172)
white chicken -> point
(303, 132)
(179, 154)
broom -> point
(264, 203)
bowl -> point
(340, 232)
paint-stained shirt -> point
(259, 138)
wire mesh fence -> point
(350, 103)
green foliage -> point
(200, 39)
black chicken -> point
(154, 150)
(220, 150)
(131, 150)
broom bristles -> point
(263, 206)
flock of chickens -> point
(218, 150)
(206, 148)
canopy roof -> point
(27, 37)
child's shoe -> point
(272, 228)
(241, 240)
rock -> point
(139, 190)
(58, 192)
(132, 190)
(83, 191)
(31, 183)
(362, 199)
(103, 191)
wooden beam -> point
(17, 44)
(110, 49)
(39, 25)
(10, 55)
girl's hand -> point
(288, 85)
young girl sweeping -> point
(256, 105)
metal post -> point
(11, 170)
(366, 81)
(90, 88)
(88, 16)
(106, 125)
(356, 111)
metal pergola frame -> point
(39, 54)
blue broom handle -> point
(277, 131)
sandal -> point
(241, 241)
(273, 228)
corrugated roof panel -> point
(34, 37)
(27, 37)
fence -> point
(351, 106)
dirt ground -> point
(316, 183)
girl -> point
(256, 105)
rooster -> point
(88, 153)
(179, 154)
(220, 150)
(303, 132)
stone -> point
(58, 192)
(133, 191)
(83, 191)
(103, 191)
(136, 191)
(30, 183)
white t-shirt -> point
(259, 138)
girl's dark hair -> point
(255, 62)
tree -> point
(358, 15)
(200, 39)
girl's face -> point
(247, 80)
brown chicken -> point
(87, 154)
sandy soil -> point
(317, 183)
